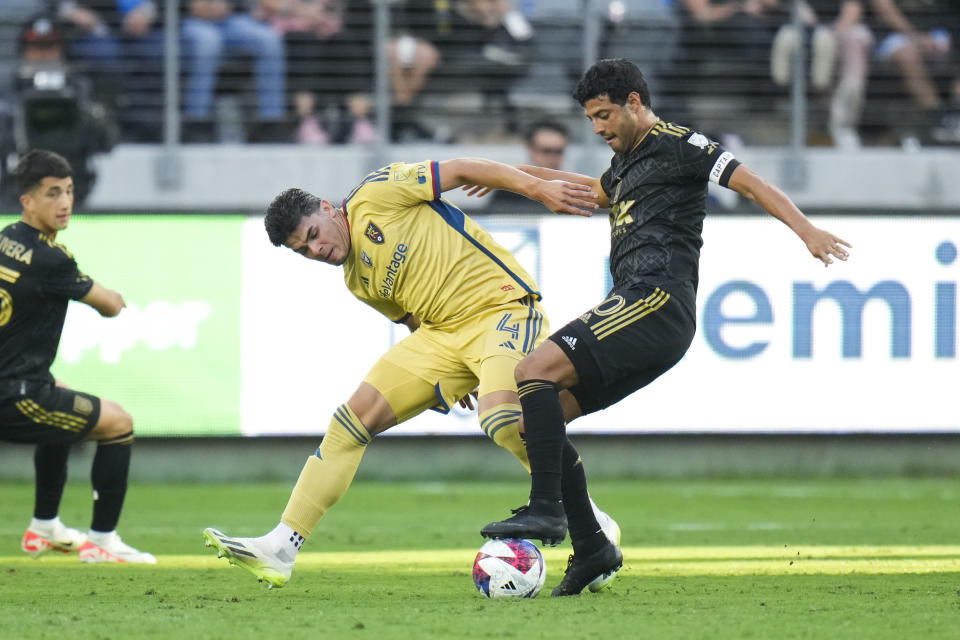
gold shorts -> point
(436, 365)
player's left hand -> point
(823, 244)
(561, 196)
(466, 402)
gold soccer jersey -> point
(413, 252)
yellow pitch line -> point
(638, 561)
(793, 567)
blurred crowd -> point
(302, 71)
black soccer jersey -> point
(37, 279)
(658, 195)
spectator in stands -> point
(119, 43)
(840, 45)
(823, 47)
(13, 15)
(724, 46)
(464, 45)
(53, 107)
(212, 31)
(329, 50)
(92, 44)
(735, 30)
(645, 31)
(546, 143)
(918, 39)
(140, 34)
(854, 43)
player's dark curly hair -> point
(615, 78)
(37, 164)
(286, 211)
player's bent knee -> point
(372, 409)
(114, 423)
(524, 371)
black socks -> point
(545, 434)
(50, 466)
(111, 466)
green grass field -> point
(839, 558)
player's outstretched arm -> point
(106, 301)
(560, 196)
(822, 244)
(602, 200)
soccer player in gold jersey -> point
(473, 310)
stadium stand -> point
(13, 15)
(482, 70)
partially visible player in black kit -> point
(38, 277)
(656, 189)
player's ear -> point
(327, 208)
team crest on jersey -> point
(373, 232)
(365, 259)
(699, 140)
(82, 405)
(616, 193)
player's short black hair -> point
(286, 211)
(615, 78)
(545, 123)
(37, 164)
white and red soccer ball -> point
(509, 568)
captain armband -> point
(723, 168)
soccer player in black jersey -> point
(656, 190)
(38, 277)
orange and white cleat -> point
(108, 547)
(43, 536)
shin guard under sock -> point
(328, 474)
(50, 467)
(545, 433)
(502, 425)
(585, 534)
(111, 467)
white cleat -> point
(610, 529)
(110, 548)
(250, 554)
(39, 539)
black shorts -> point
(626, 342)
(42, 413)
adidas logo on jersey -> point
(571, 342)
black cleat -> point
(526, 523)
(603, 564)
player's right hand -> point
(476, 190)
(822, 245)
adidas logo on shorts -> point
(571, 341)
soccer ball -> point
(509, 568)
